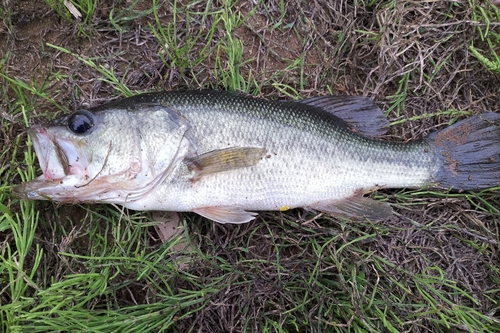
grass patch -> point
(74, 9)
(433, 267)
(488, 57)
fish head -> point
(110, 155)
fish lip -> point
(45, 145)
(33, 190)
(38, 142)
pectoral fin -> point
(223, 160)
(226, 214)
(356, 207)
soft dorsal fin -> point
(360, 113)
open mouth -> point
(51, 156)
(59, 160)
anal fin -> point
(356, 207)
(224, 214)
(223, 160)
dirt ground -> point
(413, 58)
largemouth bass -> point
(226, 156)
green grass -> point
(82, 13)
(489, 57)
(85, 9)
(99, 268)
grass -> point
(490, 16)
(433, 267)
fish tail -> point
(468, 153)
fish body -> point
(226, 155)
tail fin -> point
(468, 153)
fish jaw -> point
(68, 174)
(46, 151)
(71, 190)
(64, 167)
(41, 188)
(57, 157)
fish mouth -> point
(58, 159)
(68, 176)
(51, 157)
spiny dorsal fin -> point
(360, 113)
(223, 160)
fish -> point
(227, 156)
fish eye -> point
(80, 122)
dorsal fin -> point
(360, 113)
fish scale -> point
(227, 155)
(308, 162)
